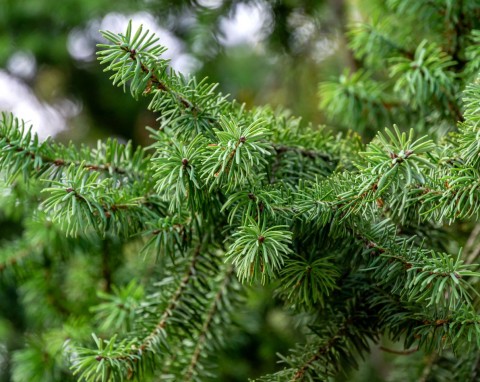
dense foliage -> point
(362, 243)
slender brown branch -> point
(208, 320)
(58, 162)
(298, 376)
(456, 111)
(469, 245)
(312, 154)
(167, 313)
(108, 209)
(399, 352)
(106, 266)
(173, 302)
(14, 260)
(473, 256)
(187, 104)
(428, 367)
(231, 156)
(157, 83)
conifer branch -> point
(327, 347)
(470, 243)
(207, 322)
(157, 83)
(19, 145)
(159, 328)
(432, 358)
(17, 257)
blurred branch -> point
(339, 10)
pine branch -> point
(158, 84)
(215, 306)
(130, 358)
(143, 71)
(155, 334)
(15, 256)
(22, 151)
(342, 333)
(427, 370)
(320, 353)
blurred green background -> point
(260, 52)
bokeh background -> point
(259, 52)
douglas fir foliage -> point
(363, 243)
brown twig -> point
(58, 162)
(173, 302)
(312, 154)
(399, 352)
(210, 315)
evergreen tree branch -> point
(155, 81)
(137, 67)
(14, 256)
(130, 358)
(320, 353)
(153, 338)
(215, 306)
(432, 358)
(22, 151)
